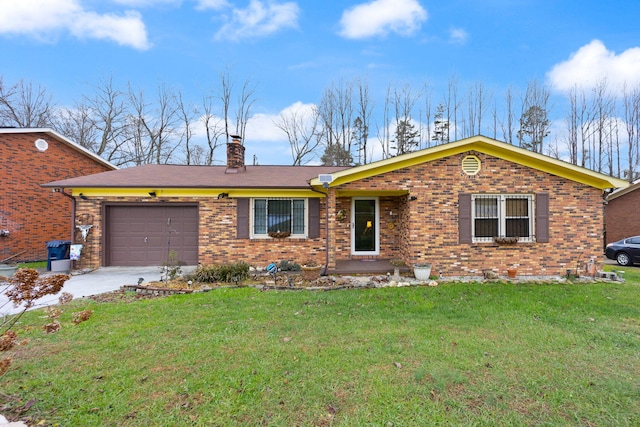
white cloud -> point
(148, 3)
(457, 36)
(380, 17)
(211, 4)
(259, 19)
(41, 18)
(127, 30)
(262, 127)
(594, 62)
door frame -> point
(376, 251)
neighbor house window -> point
(278, 216)
(502, 215)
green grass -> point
(33, 264)
(458, 354)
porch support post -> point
(331, 220)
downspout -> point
(326, 204)
(73, 210)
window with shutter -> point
(278, 216)
(485, 217)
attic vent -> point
(41, 144)
(471, 165)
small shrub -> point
(171, 268)
(220, 273)
(289, 266)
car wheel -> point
(623, 258)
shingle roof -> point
(182, 176)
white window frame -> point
(502, 216)
(252, 205)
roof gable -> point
(63, 140)
(484, 145)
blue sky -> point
(293, 50)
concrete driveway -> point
(100, 281)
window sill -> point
(267, 237)
(494, 243)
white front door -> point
(365, 232)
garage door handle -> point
(146, 239)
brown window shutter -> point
(464, 218)
(242, 215)
(542, 217)
(314, 218)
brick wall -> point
(427, 229)
(422, 230)
(218, 243)
(621, 216)
(32, 214)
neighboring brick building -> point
(30, 214)
(465, 207)
(622, 213)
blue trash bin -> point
(57, 249)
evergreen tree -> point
(336, 155)
(406, 137)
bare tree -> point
(78, 124)
(452, 105)
(603, 107)
(631, 105)
(245, 101)
(335, 112)
(24, 106)
(384, 135)
(572, 126)
(110, 110)
(300, 129)
(224, 94)
(362, 122)
(214, 127)
(426, 134)
(186, 115)
(534, 121)
(477, 99)
(507, 124)
(155, 125)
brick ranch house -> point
(460, 206)
(622, 214)
(29, 214)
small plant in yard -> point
(286, 265)
(226, 273)
(171, 267)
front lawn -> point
(457, 354)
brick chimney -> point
(235, 155)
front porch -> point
(366, 266)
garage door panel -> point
(143, 235)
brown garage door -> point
(144, 235)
